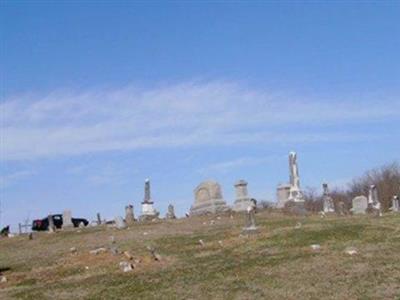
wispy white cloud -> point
(226, 166)
(194, 113)
(9, 179)
(103, 175)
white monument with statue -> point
(292, 191)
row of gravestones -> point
(130, 216)
(208, 198)
(362, 204)
(119, 221)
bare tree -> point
(386, 179)
(313, 202)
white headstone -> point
(395, 204)
(250, 219)
(52, 227)
(360, 205)
(67, 219)
(120, 223)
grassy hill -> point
(277, 263)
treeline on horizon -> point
(386, 178)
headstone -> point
(120, 223)
(148, 211)
(373, 200)
(67, 220)
(360, 205)
(129, 215)
(242, 198)
(395, 204)
(171, 212)
(51, 227)
(327, 200)
(208, 199)
(341, 208)
(98, 219)
(282, 194)
(250, 219)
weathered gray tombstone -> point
(208, 199)
(282, 195)
(170, 213)
(360, 205)
(148, 211)
(120, 223)
(250, 220)
(98, 219)
(67, 219)
(242, 200)
(129, 214)
(373, 200)
(327, 200)
(395, 204)
(51, 227)
(341, 208)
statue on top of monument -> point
(294, 170)
(328, 205)
(295, 194)
(373, 200)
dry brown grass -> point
(277, 263)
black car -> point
(43, 224)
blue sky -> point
(96, 97)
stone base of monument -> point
(68, 227)
(148, 212)
(250, 230)
(295, 208)
(146, 218)
(241, 204)
(213, 206)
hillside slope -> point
(277, 263)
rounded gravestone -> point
(208, 199)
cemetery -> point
(218, 251)
(199, 150)
(190, 150)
